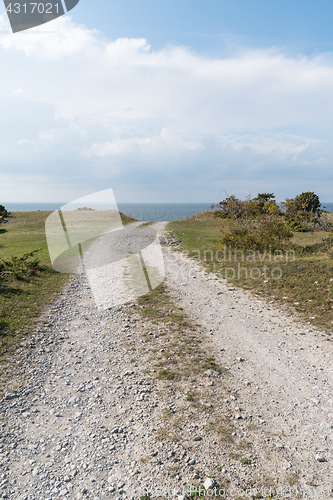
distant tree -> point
(3, 214)
(233, 207)
(3, 211)
(308, 202)
(302, 213)
(264, 197)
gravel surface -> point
(83, 412)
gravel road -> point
(81, 411)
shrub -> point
(3, 212)
(234, 208)
(259, 234)
(295, 225)
(20, 268)
(308, 202)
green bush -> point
(234, 208)
(266, 232)
(20, 268)
(295, 225)
(308, 201)
(3, 212)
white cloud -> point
(166, 142)
(66, 39)
(108, 114)
(18, 92)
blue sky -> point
(169, 102)
(216, 26)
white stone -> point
(209, 483)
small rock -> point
(320, 458)
(191, 461)
(209, 483)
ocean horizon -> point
(142, 211)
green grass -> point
(150, 223)
(306, 282)
(22, 301)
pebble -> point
(209, 483)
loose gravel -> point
(84, 414)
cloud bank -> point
(80, 113)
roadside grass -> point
(301, 278)
(22, 301)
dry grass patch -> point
(178, 351)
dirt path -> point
(82, 413)
(282, 370)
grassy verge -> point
(21, 301)
(301, 278)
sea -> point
(141, 211)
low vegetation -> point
(27, 280)
(251, 244)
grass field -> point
(301, 279)
(21, 301)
